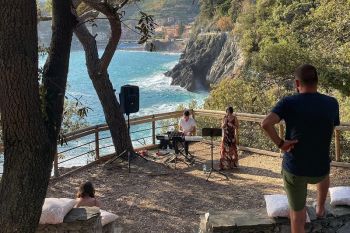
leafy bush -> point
(224, 23)
(248, 96)
(277, 36)
(244, 95)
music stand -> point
(212, 132)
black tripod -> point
(212, 132)
(130, 153)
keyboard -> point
(183, 138)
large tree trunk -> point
(56, 67)
(28, 152)
(97, 69)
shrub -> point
(224, 23)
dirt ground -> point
(156, 198)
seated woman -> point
(229, 155)
(86, 196)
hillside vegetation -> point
(277, 36)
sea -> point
(141, 68)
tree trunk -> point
(56, 66)
(97, 69)
(28, 152)
(112, 112)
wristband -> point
(281, 144)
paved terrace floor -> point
(155, 198)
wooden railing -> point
(281, 130)
(97, 129)
(95, 133)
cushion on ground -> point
(107, 217)
(277, 205)
(55, 209)
(340, 195)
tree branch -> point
(89, 43)
(123, 4)
(88, 15)
(116, 30)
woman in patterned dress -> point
(229, 156)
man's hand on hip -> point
(288, 145)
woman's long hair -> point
(86, 190)
(229, 110)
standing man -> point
(187, 125)
(310, 118)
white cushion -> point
(107, 217)
(54, 210)
(340, 195)
(277, 205)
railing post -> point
(237, 133)
(337, 145)
(55, 165)
(281, 132)
(153, 131)
(97, 144)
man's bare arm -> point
(268, 125)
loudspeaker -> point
(129, 99)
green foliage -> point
(73, 117)
(146, 26)
(216, 9)
(277, 36)
(248, 96)
(279, 58)
(48, 5)
(244, 96)
(224, 23)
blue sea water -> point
(140, 68)
(144, 69)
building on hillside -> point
(176, 31)
(172, 32)
(187, 31)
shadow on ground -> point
(156, 198)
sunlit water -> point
(143, 69)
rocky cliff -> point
(207, 59)
(165, 46)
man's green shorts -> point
(296, 188)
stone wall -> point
(80, 220)
(257, 221)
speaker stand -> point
(130, 153)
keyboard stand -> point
(180, 152)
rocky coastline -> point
(208, 58)
(176, 46)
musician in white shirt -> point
(187, 125)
